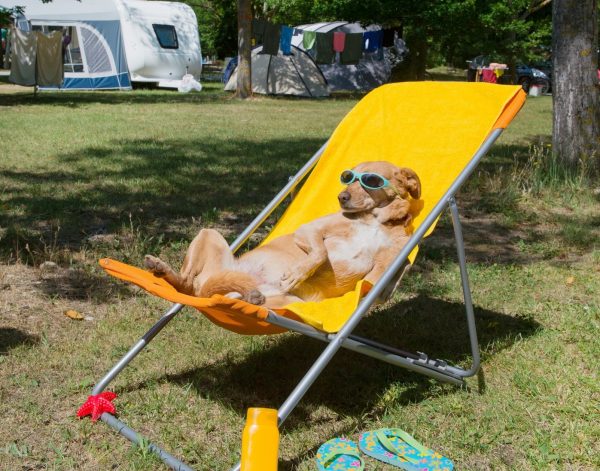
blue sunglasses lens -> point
(372, 180)
(347, 177)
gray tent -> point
(295, 74)
(373, 70)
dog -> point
(321, 259)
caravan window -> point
(167, 36)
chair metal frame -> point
(417, 362)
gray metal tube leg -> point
(136, 349)
(115, 423)
(134, 437)
(464, 276)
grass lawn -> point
(89, 175)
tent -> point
(373, 70)
(295, 74)
(111, 43)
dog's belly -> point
(350, 259)
(268, 263)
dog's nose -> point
(344, 197)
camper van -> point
(108, 44)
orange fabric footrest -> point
(235, 315)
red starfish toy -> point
(97, 405)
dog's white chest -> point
(357, 249)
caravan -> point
(108, 44)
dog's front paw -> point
(156, 266)
(289, 280)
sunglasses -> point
(370, 181)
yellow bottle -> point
(260, 440)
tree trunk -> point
(415, 66)
(244, 68)
(575, 96)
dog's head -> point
(403, 182)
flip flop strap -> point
(333, 454)
(382, 436)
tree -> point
(576, 126)
(217, 23)
(244, 70)
(7, 14)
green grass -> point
(88, 175)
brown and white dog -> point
(322, 259)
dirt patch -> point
(33, 302)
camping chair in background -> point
(439, 129)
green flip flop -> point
(396, 447)
(339, 454)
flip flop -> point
(398, 448)
(339, 454)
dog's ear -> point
(410, 180)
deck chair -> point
(441, 130)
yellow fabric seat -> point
(434, 128)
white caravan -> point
(112, 43)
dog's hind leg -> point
(164, 270)
(207, 255)
(233, 284)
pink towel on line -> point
(339, 40)
(489, 76)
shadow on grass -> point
(79, 284)
(70, 99)
(353, 383)
(152, 189)
(212, 93)
(11, 338)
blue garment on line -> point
(372, 40)
(285, 40)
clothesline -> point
(324, 46)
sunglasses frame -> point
(358, 176)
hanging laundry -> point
(372, 40)
(389, 35)
(258, 29)
(489, 76)
(353, 48)
(23, 55)
(366, 40)
(379, 38)
(271, 39)
(324, 46)
(338, 41)
(7, 50)
(49, 60)
(285, 42)
(308, 39)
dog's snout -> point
(344, 197)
